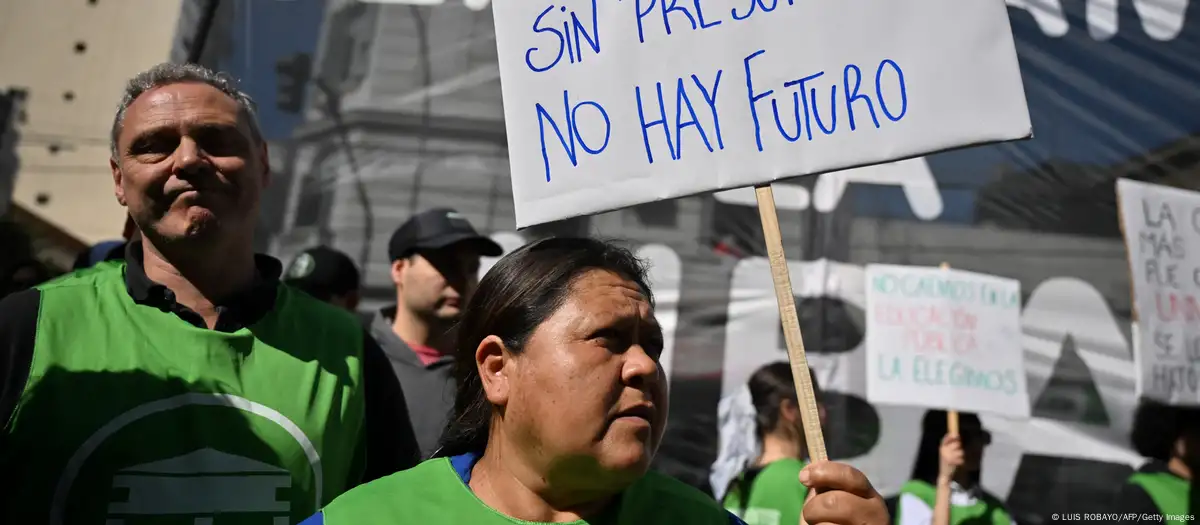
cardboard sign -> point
(613, 103)
(945, 339)
(1162, 233)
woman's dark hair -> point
(517, 295)
(1156, 426)
(933, 429)
(769, 387)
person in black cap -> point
(435, 267)
(326, 274)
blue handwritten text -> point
(571, 124)
(677, 15)
(685, 115)
(570, 39)
(806, 108)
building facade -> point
(409, 116)
(71, 59)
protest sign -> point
(613, 103)
(947, 339)
(1162, 227)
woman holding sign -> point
(946, 477)
(560, 409)
(769, 492)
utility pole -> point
(334, 109)
(293, 75)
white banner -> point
(942, 338)
(1162, 233)
(609, 104)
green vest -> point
(986, 510)
(432, 493)
(131, 414)
(1169, 493)
(776, 496)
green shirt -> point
(770, 495)
(131, 413)
(437, 492)
(917, 499)
(1170, 494)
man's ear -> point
(398, 268)
(492, 360)
(118, 189)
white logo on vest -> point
(202, 483)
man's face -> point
(436, 284)
(187, 165)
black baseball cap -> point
(322, 272)
(439, 228)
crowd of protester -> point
(533, 395)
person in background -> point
(19, 268)
(22, 275)
(107, 250)
(328, 275)
(560, 409)
(100, 252)
(768, 491)
(945, 489)
(188, 358)
(435, 267)
(1170, 437)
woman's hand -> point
(844, 496)
(950, 458)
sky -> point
(263, 32)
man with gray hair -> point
(185, 380)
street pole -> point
(333, 107)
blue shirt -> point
(462, 465)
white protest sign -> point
(942, 338)
(1162, 233)
(613, 103)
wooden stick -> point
(951, 415)
(809, 414)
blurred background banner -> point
(376, 110)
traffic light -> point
(292, 76)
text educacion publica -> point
(562, 31)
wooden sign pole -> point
(809, 414)
(951, 415)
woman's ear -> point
(492, 359)
(789, 411)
